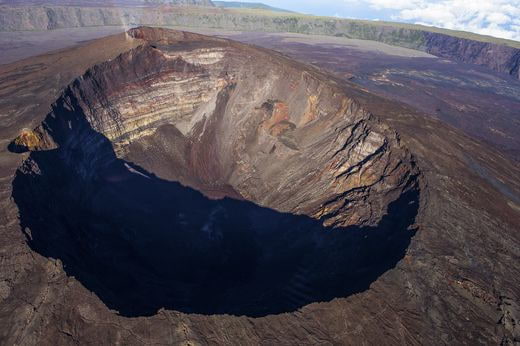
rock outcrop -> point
(500, 58)
(28, 140)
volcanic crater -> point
(206, 176)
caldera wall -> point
(295, 177)
(257, 127)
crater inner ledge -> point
(206, 176)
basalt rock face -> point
(304, 196)
(499, 58)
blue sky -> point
(499, 18)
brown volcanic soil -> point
(311, 151)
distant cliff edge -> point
(497, 54)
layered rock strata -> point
(273, 132)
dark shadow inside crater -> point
(141, 243)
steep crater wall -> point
(206, 176)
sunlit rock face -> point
(330, 186)
(239, 119)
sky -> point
(499, 18)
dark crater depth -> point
(142, 243)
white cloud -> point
(500, 18)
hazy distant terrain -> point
(108, 3)
(23, 44)
(497, 54)
(251, 5)
(17, 45)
